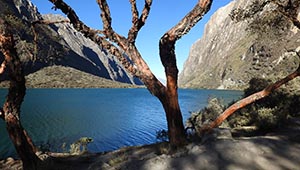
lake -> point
(112, 117)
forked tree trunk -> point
(11, 109)
(137, 66)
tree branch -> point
(107, 28)
(93, 34)
(16, 92)
(251, 99)
(138, 22)
(168, 40)
(143, 71)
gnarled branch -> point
(138, 22)
(93, 34)
(12, 106)
(107, 28)
(168, 40)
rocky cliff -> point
(58, 44)
(242, 40)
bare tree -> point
(114, 43)
(11, 108)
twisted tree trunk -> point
(11, 109)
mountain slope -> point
(58, 44)
(231, 52)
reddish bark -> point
(11, 109)
(166, 94)
(251, 99)
(168, 58)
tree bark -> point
(168, 95)
(11, 109)
(251, 99)
(168, 57)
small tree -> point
(114, 43)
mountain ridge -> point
(43, 45)
(231, 52)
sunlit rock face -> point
(242, 40)
(58, 44)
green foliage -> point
(268, 113)
(264, 24)
(269, 118)
(197, 119)
(80, 146)
(14, 21)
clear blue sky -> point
(164, 14)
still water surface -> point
(112, 117)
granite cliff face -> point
(58, 44)
(242, 40)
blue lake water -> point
(112, 117)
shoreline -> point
(278, 149)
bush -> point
(205, 115)
(269, 118)
(80, 146)
(267, 113)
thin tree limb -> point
(138, 22)
(93, 35)
(107, 28)
(144, 72)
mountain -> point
(60, 45)
(243, 40)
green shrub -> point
(80, 146)
(197, 119)
(267, 113)
(269, 118)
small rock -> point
(9, 160)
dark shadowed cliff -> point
(242, 40)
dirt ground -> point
(279, 150)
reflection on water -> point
(112, 117)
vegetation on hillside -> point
(266, 114)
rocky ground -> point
(218, 150)
(67, 77)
